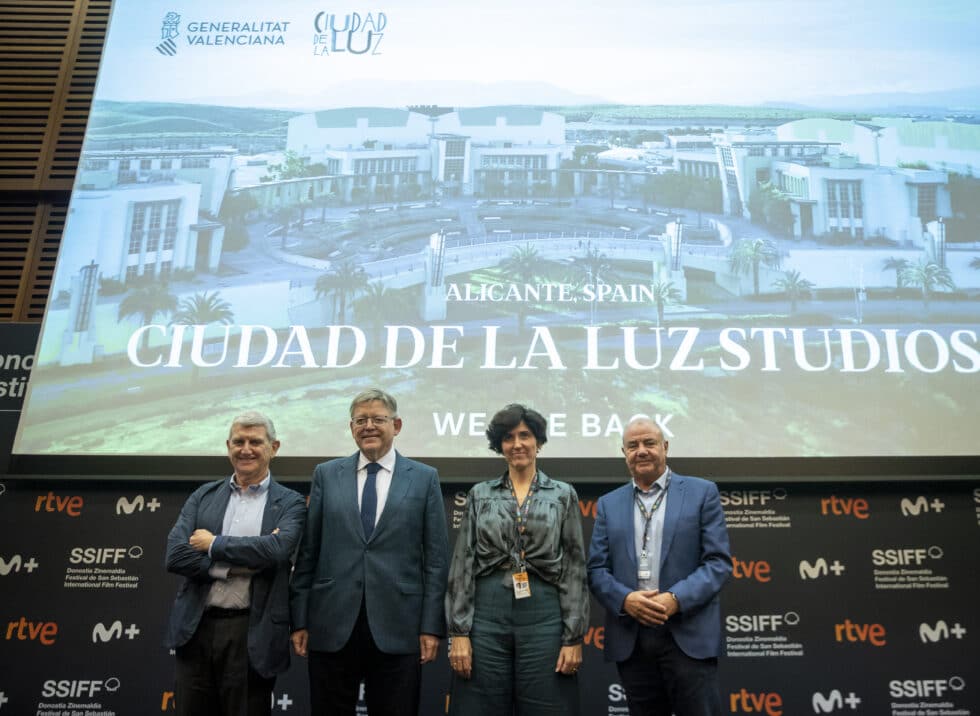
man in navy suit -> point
(658, 559)
(367, 593)
(233, 544)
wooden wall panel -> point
(49, 57)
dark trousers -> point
(213, 673)
(515, 651)
(391, 681)
(661, 680)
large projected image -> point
(765, 234)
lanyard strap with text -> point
(648, 516)
(520, 518)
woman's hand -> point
(461, 656)
(569, 659)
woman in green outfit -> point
(518, 604)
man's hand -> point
(649, 606)
(428, 648)
(201, 540)
(300, 638)
(461, 656)
(569, 659)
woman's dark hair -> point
(509, 418)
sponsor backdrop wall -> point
(845, 599)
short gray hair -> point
(254, 419)
(646, 420)
(372, 394)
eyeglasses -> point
(375, 420)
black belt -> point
(222, 613)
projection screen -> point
(755, 222)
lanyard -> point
(648, 516)
(520, 517)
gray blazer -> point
(400, 573)
(268, 629)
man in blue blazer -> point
(367, 593)
(233, 544)
(658, 559)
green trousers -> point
(515, 651)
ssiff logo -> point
(79, 688)
(168, 31)
(834, 701)
(352, 34)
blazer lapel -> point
(271, 515)
(214, 519)
(401, 480)
(626, 520)
(348, 494)
(674, 506)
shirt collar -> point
(544, 482)
(255, 489)
(661, 481)
(387, 461)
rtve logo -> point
(103, 555)
(845, 507)
(742, 498)
(760, 622)
(744, 701)
(596, 636)
(24, 630)
(907, 556)
(820, 568)
(834, 701)
(102, 633)
(759, 570)
(914, 508)
(16, 563)
(76, 688)
(70, 505)
(138, 504)
(940, 632)
(924, 687)
(873, 634)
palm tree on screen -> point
(522, 267)
(795, 287)
(344, 280)
(748, 255)
(928, 276)
(145, 303)
(898, 266)
(664, 292)
(373, 306)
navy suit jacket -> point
(695, 562)
(399, 573)
(270, 554)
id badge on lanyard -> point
(522, 587)
(643, 569)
